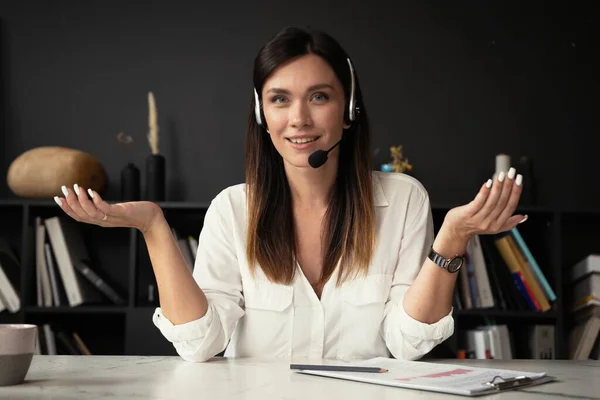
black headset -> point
(352, 112)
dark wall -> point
(454, 82)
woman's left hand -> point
(490, 212)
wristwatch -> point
(451, 265)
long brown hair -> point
(348, 233)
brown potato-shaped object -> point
(40, 172)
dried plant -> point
(399, 163)
(153, 125)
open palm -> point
(492, 209)
(93, 209)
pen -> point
(344, 368)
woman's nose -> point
(300, 115)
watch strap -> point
(438, 259)
(445, 263)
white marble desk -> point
(124, 377)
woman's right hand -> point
(78, 205)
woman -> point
(331, 260)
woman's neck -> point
(311, 188)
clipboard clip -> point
(508, 383)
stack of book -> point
(495, 341)
(65, 275)
(502, 273)
(52, 342)
(585, 335)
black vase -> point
(155, 178)
(529, 194)
(130, 183)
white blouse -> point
(363, 318)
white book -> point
(8, 294)
(494, 341)
(53, 277)
(69, 249)
(482, 344)
(50, 340)
(505, 342)
(497, 349)
(590, 264)
(38, 286)
(481, 276)
(40, 263)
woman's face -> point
(303, 104)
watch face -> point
(455, 264)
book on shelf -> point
(44, 289)
(95, 279)
(521, 273)
(494, 341)
(589, 265)
(585, 283)
(586, 288)
(69, 249)
(542, 342)
(503, 281)
(497, 275)
(487, 342)
(482, 281)
(529, 279)
(9, 278)
(532, 263)
(187, 246)
(59, 296)
(64, 272)
(51, 341)
(583, 337)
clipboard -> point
(515, 383)
(437, 377)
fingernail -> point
(488, 184)
(76, 187)
(511, 173)
(91, 193)
(64, 190)
(501, 176)
(519, 180)
(524, 219)
(58, 201)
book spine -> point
(99, 283)
(534, 265)
(521, 287)
(527, 276)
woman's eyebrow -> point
(310, 89)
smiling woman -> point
(308, 89)
(324, 260)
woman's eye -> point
(278, 99)
(320, 97)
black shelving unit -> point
(558, 239)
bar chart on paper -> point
(443, 378)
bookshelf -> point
(557, 238)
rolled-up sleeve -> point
(217, 273)
(406, 337)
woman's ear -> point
(347, 126)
